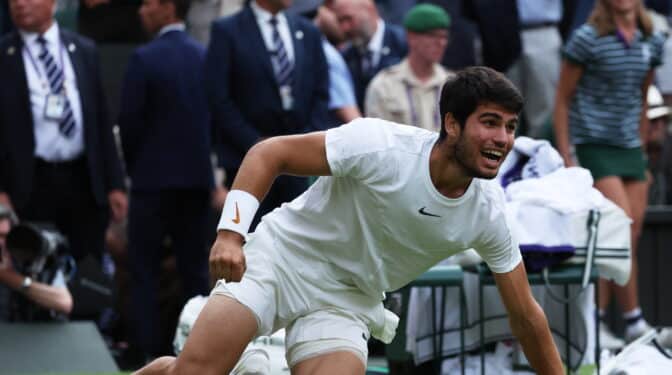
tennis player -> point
(393, 201)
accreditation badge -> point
(54, 108)
(286, 97)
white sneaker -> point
(634, 331)
(254, 361)
(608, 340)
(665, 338)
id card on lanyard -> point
(55, 102)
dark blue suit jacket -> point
(243, 93)
(393, 51)
(164, 118)
(17, 143)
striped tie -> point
(281, 65)
(56, 80)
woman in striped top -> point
(601, 111)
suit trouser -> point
(536, 74)
(181, 214)
(61, 196)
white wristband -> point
(239, 209)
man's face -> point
(328, 24)
(154, 15)
(429, 46)
(274, 6)
(356, 19)
(32, 15)
(485, 141)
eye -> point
(511, 127)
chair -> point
(565, 275)
(443, 276)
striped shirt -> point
(607, 103)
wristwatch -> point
(27, 282)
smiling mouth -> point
(493, 155)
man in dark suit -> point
(58, 161)
(266, 75)
(374, 44)
(165, 131)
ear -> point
(451, 126)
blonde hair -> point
(602, 18)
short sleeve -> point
(499, 247)
(579, 49)
(657, 45)
(356, 149)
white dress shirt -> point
(50, 143)
(177, 26)
(263, 20)
(376, 43)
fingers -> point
(237, 269)
(227, 263)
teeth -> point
(498, 154)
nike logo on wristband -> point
(423, 212)
(236, 220)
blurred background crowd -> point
(123, 123)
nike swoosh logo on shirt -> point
(423, 212)
(236, 220)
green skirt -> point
(606, 160)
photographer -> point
(40, 296)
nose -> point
(501, 137)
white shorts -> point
(320, 316)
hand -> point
(227, 260)
(118, 204)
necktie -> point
(281, 65)
(56, 80)
(367, 63)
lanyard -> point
(411, 105)
(37, 69)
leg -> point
(329, 341)
(637, 192)
(83, 220)
(613, 189)
(220, 334)
(541, 63)
(188, 229)
(335, 363)
(144, 242)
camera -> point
(32, 244)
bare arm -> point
(569, 77)
(528, 322)
(643, 118)
(47, 296)
(301, 155)
(347, 114)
